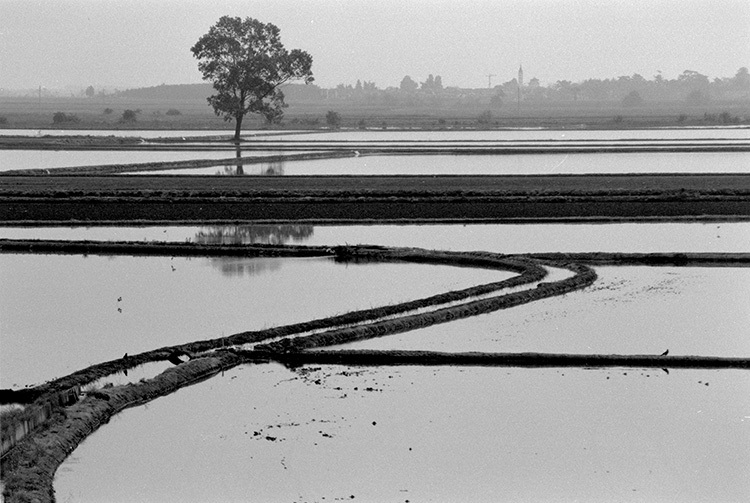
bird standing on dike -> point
(665, 353)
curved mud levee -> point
(583, 277)
(28, 470)
(649, 259)
(529, 272)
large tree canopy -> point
(246, 61)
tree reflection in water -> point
(251, 234)
(271, 168)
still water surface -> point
(506, 164)
(502, 238)
(62, 313)
(531, 134)
(629, 310)
(505, 134)
(51, 159)
(330, 433)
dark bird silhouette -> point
(119, 299)
(665, 353)
(125, 356)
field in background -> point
(106, 112)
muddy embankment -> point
(152, 199)
(28, 469)
(480, 359)
(528, 272)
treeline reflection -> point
(251, 234)
(270, 168)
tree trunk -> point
(240, 169)
(238, 127)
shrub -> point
(681, 118)
(333, 118)
(727, 118)
(3, 119)
(485, 117)
(108, 111)
(632, 100)
(62, 118)
(697, 97)
(129, 116)
(618, 119)
(361, 124)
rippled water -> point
(426, 434)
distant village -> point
(634, 90)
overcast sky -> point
(135, 43)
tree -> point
(246, 62)
(129, 116)
(90, 92)
(697, 97)
(633, 99)
(62, 118)
(408, 85)
(742, 78)
(333, 118)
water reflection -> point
(254, 234)
(238, 266)
(273, 168)
(508, 164)
(250, 234)
(62, 313)
(237, 167)
(638, 237)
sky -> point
(140, 43)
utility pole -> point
(489, 79)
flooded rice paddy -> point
(330, 433)
(67, 312)
(691, 133)
(404, 433)
(629, 310)
(52, 159)
(506, 164)
(624, 237)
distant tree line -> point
(690, 87)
